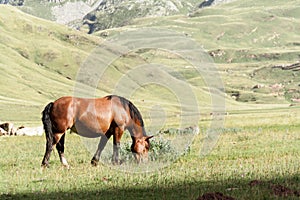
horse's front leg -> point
(100, 148)
(116, 147)
(60, 146)
(115, 157)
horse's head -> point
(140, 148)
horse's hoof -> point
(117, 162)
(66, 166)
(44, 166)
(94, 163)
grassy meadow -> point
(256, 151)
(267, 153)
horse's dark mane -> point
(134, 112)
(109, 97)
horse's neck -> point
(138, 131)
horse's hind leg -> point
(61, 149)
(49, 148)
(100, 148)
(51, 141)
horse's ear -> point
(148, 137)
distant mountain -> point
(12, 2)
(116, 13)
(207, 3)
(61, 11)
(97, 15)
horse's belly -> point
(90, 132)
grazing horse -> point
(105, 117)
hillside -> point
(251, 45)
(38, 62)
(119, 13)
(102, 14)
(247, 42)
(94, 15)
(41, 59)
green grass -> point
(241, 155)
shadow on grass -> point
(279, 188)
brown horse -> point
(105, 117)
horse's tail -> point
(48, 124)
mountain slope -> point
(39, 62)
(38, 58)
(246, 40)
(112, 13)
(102, 14)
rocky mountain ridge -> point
(102, 14)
